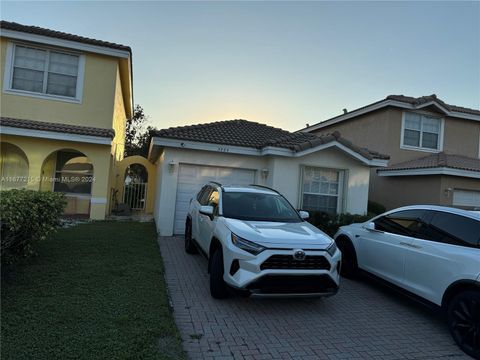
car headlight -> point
(332, 248)
(246, 245)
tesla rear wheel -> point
(464, 321)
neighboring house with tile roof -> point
(434, 149)
(326, 173)
(64, 103)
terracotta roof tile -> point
(424, 99)
(61, 128)
(7, 25)
(439, 160)
(251, 134)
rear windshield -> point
(258, 207)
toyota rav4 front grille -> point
(311, 262)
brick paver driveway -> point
(363, 321)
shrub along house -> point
(64, 103)
(326, 173)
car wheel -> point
(190, 247)
(464, 321)
(349, 259)
(218, 287)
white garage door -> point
(191, 178)
(466, 198)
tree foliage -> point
(137, 136)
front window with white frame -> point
(422, 132)
(322, 189)
(44, 72)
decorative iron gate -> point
(135, 195)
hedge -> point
(329, 223)
(27, 216)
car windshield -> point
(258, 207)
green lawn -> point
(94, 291)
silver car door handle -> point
(410, 245)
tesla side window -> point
(454, 229)
(406, 223)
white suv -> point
(258, 243)
(430, 251)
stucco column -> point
(100, 190)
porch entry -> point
(70, 172)
(135, 187)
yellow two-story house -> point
(64, 103)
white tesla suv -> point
(258, 243)
(432, 252)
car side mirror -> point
(370, 226)
(206, 210)
(304, 214)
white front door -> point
(191, 178)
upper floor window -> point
(422, 132)
(44, 72)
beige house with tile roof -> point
(434, 149)
(320, 173)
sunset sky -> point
(281, 63)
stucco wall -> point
(284, 175)
(462, 137)
(38, 151)
(95, 110)
(119, 120)
(381, 131)
(395, 191)
(455, 183)
(398, 191)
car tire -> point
(218, 287)
(349, 267)
(190, 247)
(464, 321)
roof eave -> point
(55, 135)
(71, 44)
(430, 171)
(384, 103)
(163, 142)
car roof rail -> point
(265, 187)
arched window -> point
(13, 167)
(73, 173)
